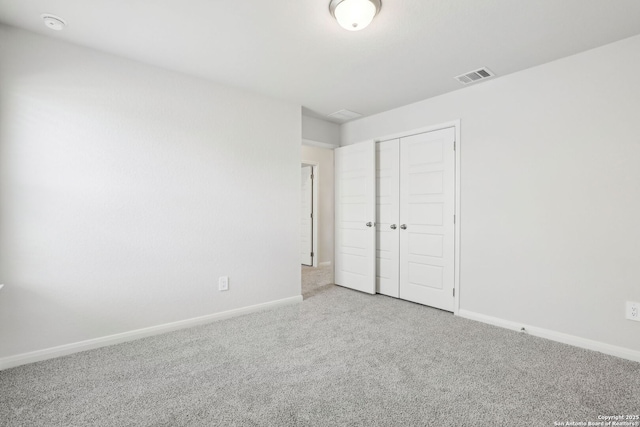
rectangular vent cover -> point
(474, 76)
(344, 115)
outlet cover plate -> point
(223, 283)
(633, 311)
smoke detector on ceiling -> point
(344, 115)
(474, 76)
(54, 22)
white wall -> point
(126, 190)
(316, 130)
(324, 180)
(550, 191)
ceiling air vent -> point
(344, 115)
(474, 76)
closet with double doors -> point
(395, 223)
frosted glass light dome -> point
(354, 15)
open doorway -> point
(317, 276)
(308, 218)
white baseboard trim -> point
(64, 350)
(612, 350)
(324, 264)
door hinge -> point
(454, 218)
(311, 215)
(311, 254)
(454, 292)
(312, 176)
(454, 145)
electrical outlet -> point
(633, 310)
(223, 283)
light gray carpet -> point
(316, 280)
(339, 358)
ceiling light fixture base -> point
(354, 15)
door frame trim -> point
(458, 199)
(315, 170)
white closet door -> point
(355, 217)
(306, 212)
(427, 195)
(387, 216)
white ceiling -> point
(294, 50)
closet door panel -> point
(355, 236)
(387, 215)
(427, 197)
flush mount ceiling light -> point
(54, 22)
(354, 15)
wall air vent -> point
(474, 76)
(344, 116)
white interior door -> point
(427, 208)
(355, 208)
(387, 217)
(306, 216)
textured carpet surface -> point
(340, 358)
